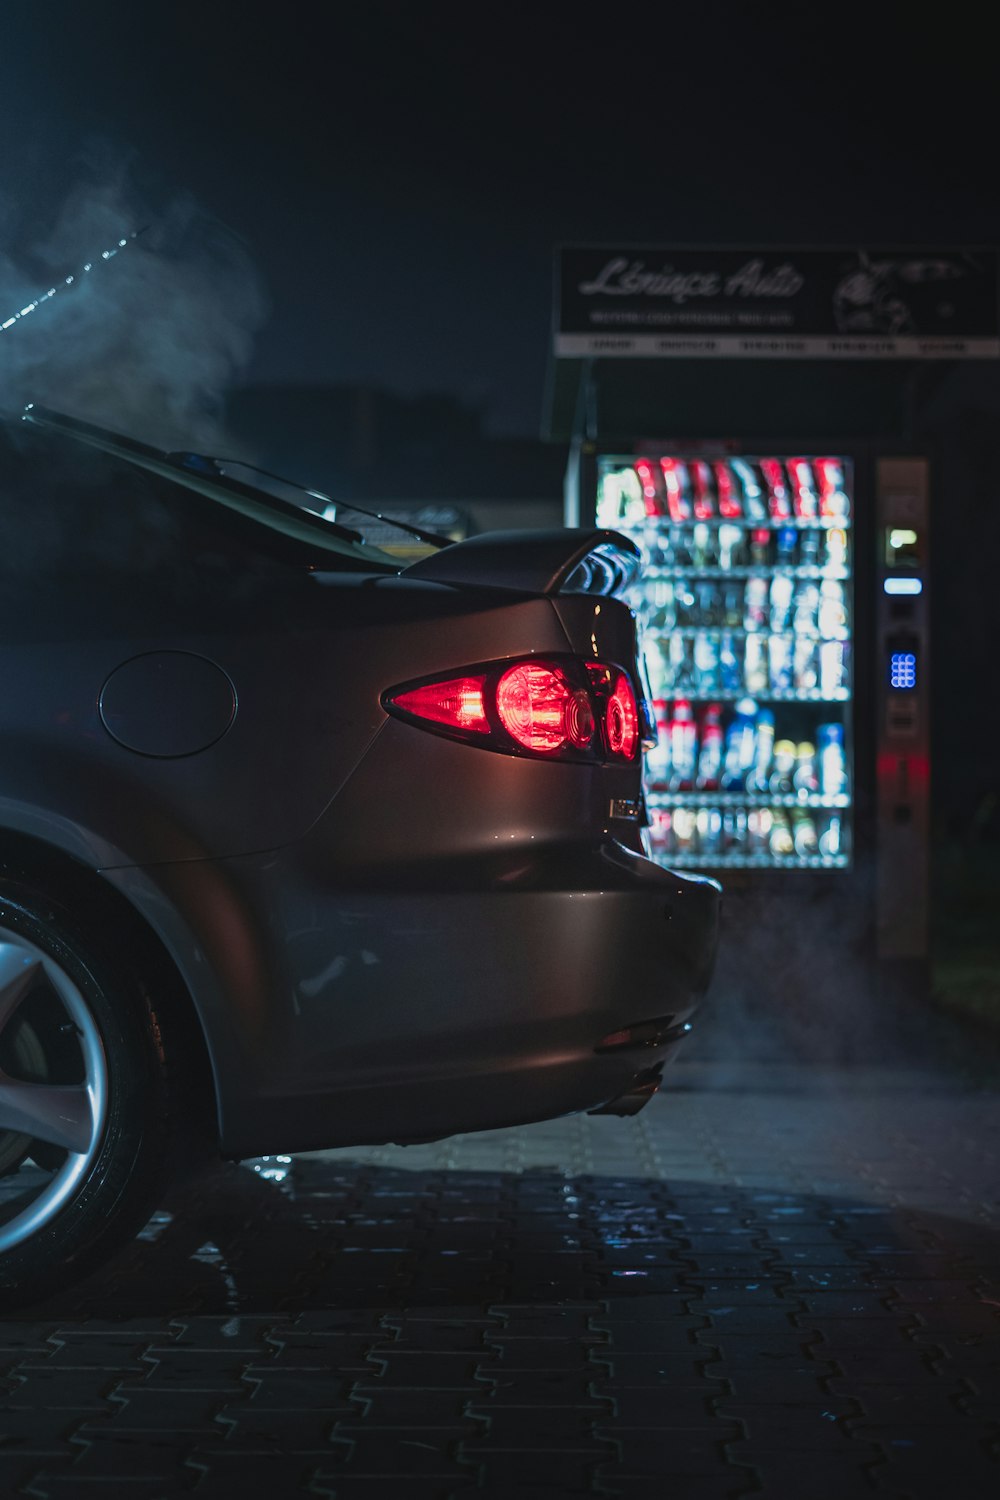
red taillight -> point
(622, 719)
(559, 707)
(619, 711)
(541, 710)
(457, 702)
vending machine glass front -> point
(745, 605)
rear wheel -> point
(83, 1099)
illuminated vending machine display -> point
(745, 606)
(902, 718)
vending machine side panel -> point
(902, 703)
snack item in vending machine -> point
(782, 588)
(805, 606)
(655, 659)
(741, 747)
(731, 546)
(654, 555)
(732, 605)
(652, 499)
(679, 545)
(832, 761)
(709, 600)
(661, 608)
(658, 757)
(709, 830)
(735, 834)
(832, 614)
(610, 511)
(686, 602)
(620, 499)
(760, 546)
(661, 831)
(702, 546)
(833, 501)
(831, 837)
(787, 546)
(835, 559)
(632, 501)
(760, 821)
(683, 746)
(779, 504)
(810, 544)
(670, 650)
(683, 676)
(805, 780)
(780, 783)
(610, 507)
(780, 842)
(805, 664)
(832, 668)
(706, 663)
(780, 663)
(704, 490)
(756, 604)
(677, 486)
(804, 499)
(730, 508)
(758, 777)
(803, 833)
(684, 830)
(754, 507)
(755, 673)
(710, 749)
(730, 667)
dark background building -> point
(351, 215)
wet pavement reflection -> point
(778, 1280)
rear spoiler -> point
(559, 561)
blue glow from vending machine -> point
(903, 671)
(903, 586)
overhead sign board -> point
(671, 302)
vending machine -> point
(747, 612)
(764, 421)
(782, 609)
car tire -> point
(84, 1098)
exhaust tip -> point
(635, 1098)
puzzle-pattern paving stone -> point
(788, 1285)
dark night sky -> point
(401, 172)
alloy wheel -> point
(53, 1089)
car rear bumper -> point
(465, 997)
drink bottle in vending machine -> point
(683, 737)
(710, 749)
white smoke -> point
(148, 341)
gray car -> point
(300, 847)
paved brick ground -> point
(776, 1280)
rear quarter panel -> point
(308, 664)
